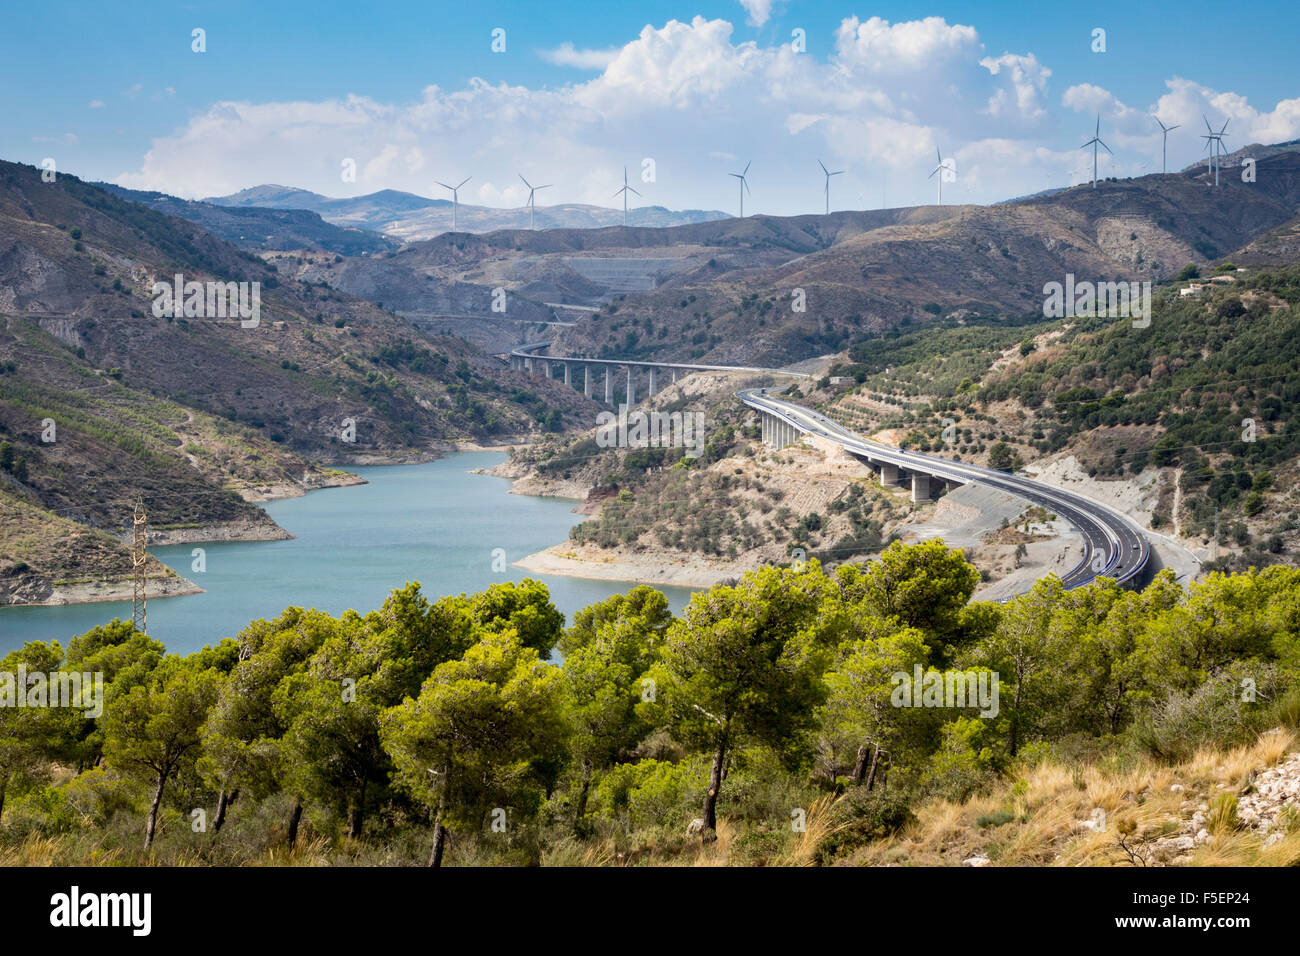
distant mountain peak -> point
(410, 217)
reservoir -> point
(434, 523)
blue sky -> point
(412, 93)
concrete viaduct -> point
(1113, 545)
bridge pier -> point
(888, 474)
(920, 487)
(528, 366)
(566, 375)
(630, 393)
(674, 376)
(586, 381)
(609, 385)
(650, 392)
(777, 434)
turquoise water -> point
(431, 523)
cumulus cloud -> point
(911, 46)
(760, 11)
(1026, 88)
(1188, 105)
(701, 103)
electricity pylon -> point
(139, 559)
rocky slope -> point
(102, 400)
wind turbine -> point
(940, 170)
(532, 203)
(1215, 144)
(829, 174)
(1094, 143)
(455, 198)
(1164, 147)
(744, 186)
(625, 190)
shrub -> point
(1213, 714)
(866, 815)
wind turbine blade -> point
(745, 182)
(1208, 127)
(547, 186)
(1104, 146)
(747, 165)
(526, 182)
(939, 156)
(936, 169)
(445, 186)
(823, 166)
(464, 181)
(632, 191)
(1225, 127)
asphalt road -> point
(1113, 546)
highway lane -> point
(1113, 546)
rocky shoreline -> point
(35, 592)
(670, 569)
(40, 591)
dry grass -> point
(819, 824)
(1051, 807)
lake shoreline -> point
(108, 591)
(440, 524)
(565, 560)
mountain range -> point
(408, 217)
(103, 399)
(723, 291)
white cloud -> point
(1187, 105)
(1026, 89)
(912, 46)
(95, 105)
(701, 104)
(760, 11)
(566, 55)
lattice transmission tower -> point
(139, 560)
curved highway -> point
(1113, 546)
